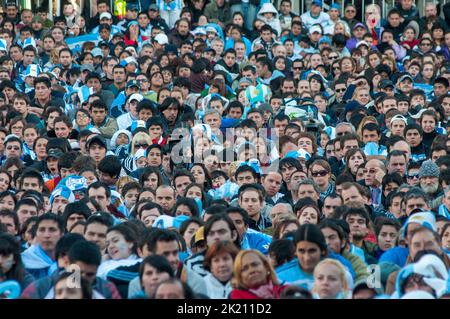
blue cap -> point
(317, 3)
(132, 22)
(132, 6)
(325, 40)
(335, 6)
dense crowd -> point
(225, 149)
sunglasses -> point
(141, 145)
(297, 68)
(341, 90)
(413, 176)
(333, 57)
(16, 148)
(426, 44)
(319, 173)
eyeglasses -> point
(340, 90)
(319, 173)
(297, 68)
(145, 145)
(350, 10)
(413, 176)
(16, 148)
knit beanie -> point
(429, 169)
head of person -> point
(219, 260)
(121, 242)
(153, 270)
(330, 280)
(310, 247)
(252, 270)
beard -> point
(430, 189)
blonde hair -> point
(364, 121)
(122, 181)
(341, 273)
(237, 269)
(140, 136)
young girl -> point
(330, 280)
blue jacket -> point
(291, 272)
(396, 255)
(256, 240)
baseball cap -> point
(315, 28)
(128, 60)
(132, 83)
(404, 77)
(96, 139)
(162, 39)
(87, 67)
(103, 44)
(317, 3)
(55, 153)
(106, 15)
(386, 83)
(136, 97)
(97, 52)
(362, 43)
(359, 25)
(132, 7)
(153, 7)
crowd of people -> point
(225, 150)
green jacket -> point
(358, 265)
(108, 128)
(216, 14)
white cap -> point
(105, 15)
(162, 39)
(315, 28)
(136, 96)
(362, 43)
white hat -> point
(136, 96)
(315, 28)
(362, 43)
(199, 31)
(105, 15)
(162, 39)
(268, 8)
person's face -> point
(169, 291)
(99, 115)
(251, 202)
(350, 12)
(13, 149)
(428, 123)
(100, 196)
(415, 203)
(350, 144)
(170, 250)
(97, 152)
(308, 255)
(306, 144)
(31, 183)
(220, 231)
(117, 247)
(355, 161)
(413, 137)
(387, 237)
(272, 183)
(171, 113)
(353, 195)
(10, 227)
(330, 204)
(166, 198)
(398, 127)
(151, 278)
(222, 266)
(308, 216)
(423, 240)
(183, 28)
(266, 35)
(327, 282)
(253, 271)
(320, 175)
(64, 291)
(154, 157)
(181, 183)
(62, 130)
(439, 89)
(397, 164)
(427, 71)
(48, 234)
(307, 191)
(333, 240)
(96, 233)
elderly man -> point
(373, 178)
(429, 179)
(431, 11)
